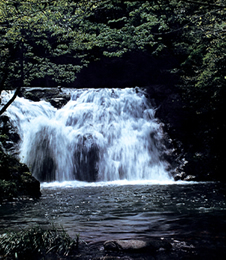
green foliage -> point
(203, 69)
(30, 242)
(35, 37)
(58, 38)
(201, 46)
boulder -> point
(59, 101)
(55, 96)
(38, 93)
(179, 176)
(15, 179)
(190, 178)
(9, 138)
(137, 245)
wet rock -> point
(53, 95)
(59, 101)
(15, 179)
(182, 245)
(190, 178)
(137, 245)
(184, 177)
(38, 93)
(32, 96)
(179, 176)
(29, 185)
(9, 138)
(111, 258)
(86, 158)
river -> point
(113, 210)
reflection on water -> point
(103, 211)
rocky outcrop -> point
(15, 177)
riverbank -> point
(195, 248)
(172, 249)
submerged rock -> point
(137, 245)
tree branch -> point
(10, 101)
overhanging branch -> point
(10, 101)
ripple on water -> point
(101, 212)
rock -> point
(184, 177)
(59, 101)
(53, 95)
(107, 257)
(15, 179)
(137, 245)
(179, 176)
(29, 185)
(38, 93)
(32, 96)
(111, 245)
(9, 138)
(86, 159)
(190, 178)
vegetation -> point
(56, 39)
(36, 242)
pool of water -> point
(120, 210)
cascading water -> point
(99, 135)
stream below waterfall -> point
(101, 211)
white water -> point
(100, 135)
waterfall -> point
(99, 135)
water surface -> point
(101, 211)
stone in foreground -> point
(136, 245)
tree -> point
(56, 39)
(203, 82)
(35, 35)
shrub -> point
(36, 241)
